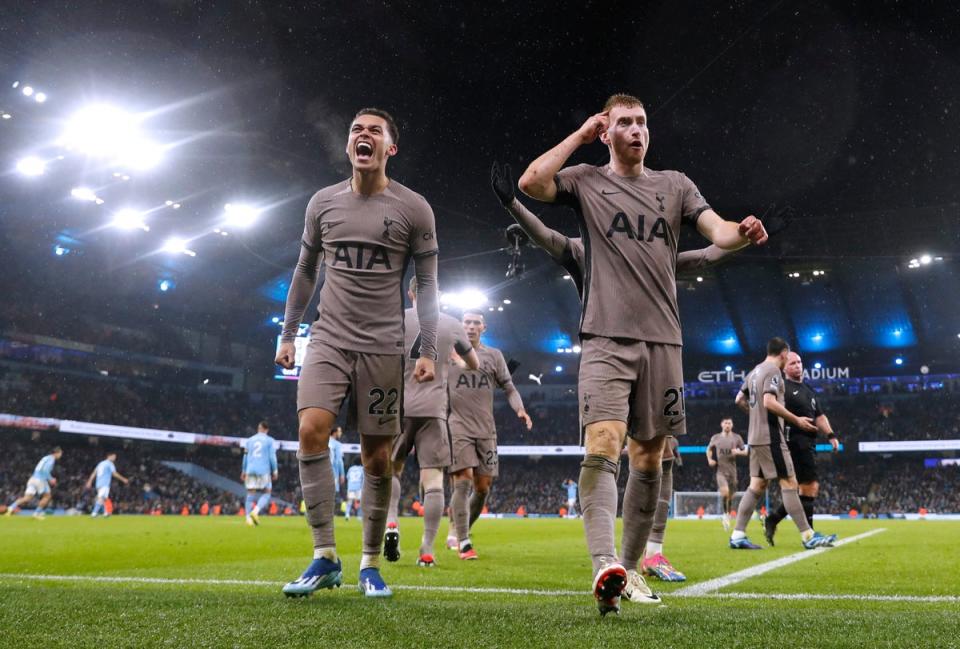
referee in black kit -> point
(801, 400)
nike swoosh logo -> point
(384, 420)
(796, 392)
(606, 193)
(676, 421)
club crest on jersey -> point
(387, 222)
(473, 380)
(660, 199)
(621, 225)
(360, 256)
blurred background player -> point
(354, 488)
(655, 563)
(802, 401)
(424, 428)
(103, 474)
(722, 453)
(259, 471)
(570, 485)
(473, 432)
(39, 485)
(336, 459)
(762, 396)
(365, 229)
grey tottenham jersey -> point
(471, 393)
(430, 399)
(365, 243)
(630, 228)
(765, 428)
(725, 445)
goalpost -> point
(688, 504)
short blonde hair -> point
(622, 99)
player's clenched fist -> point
(753, 230)
(424, 371)
(286, 355)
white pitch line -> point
(736, 577)
(470, 590)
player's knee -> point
(788, 483)
(431, 479)
(602, 438)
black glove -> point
(502, 182)
(777, 218)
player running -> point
(722, 453)
(364, 229)
(570, 486)
(424, 428)
(630, 364)
(354, 488)
(801, 400)
(473, 433)
(39, 485)
(103, 474)
(762, 396)
(259, 471)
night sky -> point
(845, 113)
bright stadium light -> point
(165, 285)
(40, 97)
(240, 215)
(31, 166)
(577, 349)
(817, 365)
(27, 91)
(469, 298)
(7, 116)
(83, 194)
(178, 246)
(103, 131)
(558, 369)
(129, 219)
(728, 368)
(925, 259)
(898, 360)
(60, 251)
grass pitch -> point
(896, 588)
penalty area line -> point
(713, 585)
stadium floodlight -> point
(469, 298)
(816, 337)
(577, 349)
(507, 302)
(178, 246)
(60, 251)
(83, 194)
(165, 285)
(925, 259)
(898, 360)
(6, 116)
(728, 368)
(699, 279)
(31, 166)
(103, 131)
(40, 97)
(558, 369)
(129, 219)
(27, 91)
(817, 365)
(240, 215)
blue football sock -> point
(263, 502)
(248, 507)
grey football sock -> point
(639, 506)
(316, 482)
(432, 512)
(659, 529)
(791, 502)
(394, 511)
(374, 500)
(477, 501)
(598, 507)
(747, 505)
(461, 512)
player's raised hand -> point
(593, 127)
(753, 230)
(502, 182)
(425, 370)
(286, 355)
(806, 424)
(526, 419)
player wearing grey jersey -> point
(569, 253)
(473, 433)
(722, 453)
(631, 380)
(364, 230)
(424, 428)
(762, 397)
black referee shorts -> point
(803, 452)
